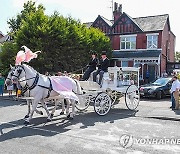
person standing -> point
(102, 67)
(10, 89)
(90, 67)
(175, 93)
(2, 81)
(147, 76)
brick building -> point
(145, 42)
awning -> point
(135, 54)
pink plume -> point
(29, 54)
(21, 56)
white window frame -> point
(154, 45)
(127, 36)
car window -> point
(161, 81)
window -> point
(128, 42)
(152, 41)
(124, 64)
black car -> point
(159, 88)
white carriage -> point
(116, 83)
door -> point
(151, 69)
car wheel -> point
(159, 95)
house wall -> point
(116, 42)
(171, 53)
(141, 41)
(165, 46)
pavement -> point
(160, 109)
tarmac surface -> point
(153, 128)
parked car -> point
(158, 89)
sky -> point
(88, 10)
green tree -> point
(65, 42)
(177, 56)
(7, 56)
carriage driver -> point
(102, 67)
(91, 66)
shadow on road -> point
(155, 99)
(5, 102)
(59, 124)
(18, 130)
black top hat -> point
(103, 53)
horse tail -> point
(79, 90)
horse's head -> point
(18, 73)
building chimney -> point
(117, 11)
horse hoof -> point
(68, 116)
(26, 122)
(61, 113)
(26, 116)
(48, 120)
(41, 113)
(51, 116)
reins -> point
(78, 70)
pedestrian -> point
(147, 76)
(2, 81)
(164, 74)
(47, 74)
(10, 89)
(15, 87)
(175, 93)
(102, 68)
(59, 74)
(19, 90)
(65, 73)
(91, 66)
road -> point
(121, 131)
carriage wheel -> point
(132, 97)
(84, 102)
(102, 103)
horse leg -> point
(56, 101)
(63, 107)
(73, 108)
(49, 118)
(69, 115)
(29, 109)
(34, 106)
(67, 108)
(39, 112)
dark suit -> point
(91, 67)
(102, 67)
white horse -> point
(40, 88)
(25, 92)
(24, 89)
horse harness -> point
(35, 83)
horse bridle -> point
(26, 87)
